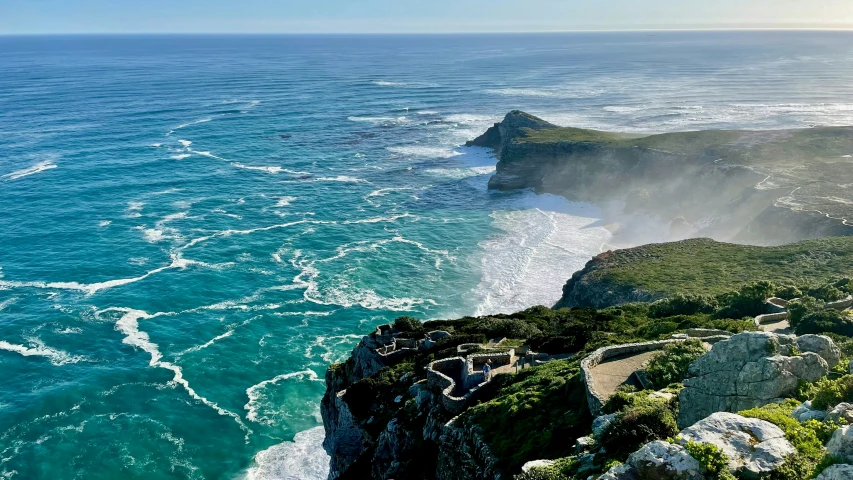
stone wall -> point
(593, 398)
(842, 304)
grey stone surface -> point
(841, 413)
(754, 446)
(583, 444)
(747, 371)
(805, 412)
(664, 461)
(837, 472)
(841, 444)
(821, 345)
(620, 472)
(601, 422)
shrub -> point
(825, 321)
(682, 304)
(746, 302)
(789, 292)
(833, 392)
(636, 426)
(670, 365)
(409, 325)
(561, 470)
(712, 459)
(798, 309)
(806, 437)
(826, 292)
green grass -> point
(704, 266)
(569, 134)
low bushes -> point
(712, 459)
(670, 365)
(832, 392)
(637, 425)
(682, 304)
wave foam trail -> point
(37, 348)
(128, 325)
(301, 459)
(539, 248)
(25, 172)
(255, 392)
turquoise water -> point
(193, 228)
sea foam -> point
(37, 168)
(301, 459)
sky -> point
(411, 16)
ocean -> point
(193, 227)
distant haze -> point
(412, 16)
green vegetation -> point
(569, 134)
(560, 470)
(829, 393)
(712, 459)
(670, 365)
(808, 438)
(708, 267)
(639, 423)
(522, 413)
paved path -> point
(608, 375)
(781, 328)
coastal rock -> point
(620, 472)
(345, 440)
(841, 444)
(536, 464)
(664, 461)
(805, 412)
(836, 472)
(464, 455)
(821, 345)
(841, 413)
(754, 447)
(601, 422)
(584, 444)
(394, 443)
(744, 372)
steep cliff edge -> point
(754, 187)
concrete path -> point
(608, 375)
(779, 328)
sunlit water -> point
(193, 228)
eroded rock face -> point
(843, 412)
(750, 370)
(841, 444)
(837, 472)
(821, 345)
(805, 412)
(754, 446)
(620, 472)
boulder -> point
(805, 412)
(841, 444)
(836, 472)
(754, 447)
(601, 422)
(584, 444)
(821, 345)
(841, 413)
(620, 472)
(747, 371)
(536, 464)
(664, 461)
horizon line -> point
(848, 28)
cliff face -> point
(765, 187)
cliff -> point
(754, 187)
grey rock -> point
(841, 444)
(586, 463)
(747, 371)
(754, 447)
(601, 422)
(584, 444)
(841, 413)
(836, 472)
(805, 412)
(821, 345)
(664, 461)
(536, 464)
(620, 472)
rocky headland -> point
(696, 359)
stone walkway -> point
(608, 375)
(779, 328)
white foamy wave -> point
(104, 223)
(536, 92)
(180, 156)
(331, 347)
(37, 168)
(543, 241)
(37, 348)
(284, 201)
(622, 109)
(378, 120)
(189, 124)
(424, 151)
(206, 344)
(7, 302)
(342, 179)
(185, 143)
(256, 395)
(271, 170)
(384, 83)
(301, 459)
(459, 173)
(471, 118)
(128, 325)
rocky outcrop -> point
(805, 412)
(841, 444)
(761, 187)
(754, 447)
(836, 472)
(750, 370)
(658, 460)
(464, 455)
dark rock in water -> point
(286, 137)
